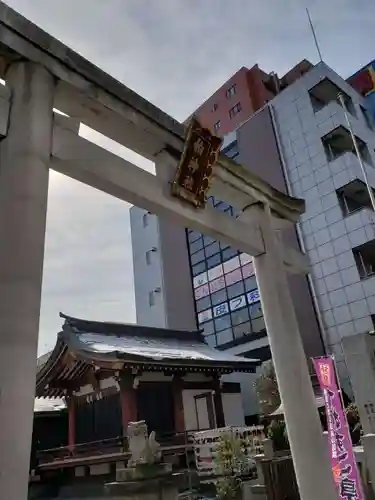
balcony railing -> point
(108, 449)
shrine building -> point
(111, 374)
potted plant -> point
(231, 464)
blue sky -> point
(175, 53)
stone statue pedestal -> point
(153, 488)
(145, 477)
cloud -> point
(175, 53)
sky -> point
(175, 53)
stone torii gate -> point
(42, 74)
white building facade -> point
(338, 226)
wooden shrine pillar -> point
(128, 400)
(179, 415)
(71, 422)
(218, 403)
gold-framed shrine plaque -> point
(195, 169)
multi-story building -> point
(364, 82)
(242, 95)
(300, 143)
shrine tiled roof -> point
(83, 344)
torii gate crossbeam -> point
(41, 73)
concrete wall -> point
(233, 409)
(177, 282)
(147, 273)
(165, 273)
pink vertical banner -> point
(344, 465)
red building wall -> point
(253, 89)
(216, 108)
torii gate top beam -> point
(103, 103)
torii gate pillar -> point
(24, 166)
(308, 446)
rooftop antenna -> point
(314, 35)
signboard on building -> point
(194, 171)
(364, 82)
(344, 466)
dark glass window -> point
(193, 235)
(258, 324)
(224, 336)
(251, 283)
(242, 330)
(196, 245)
(219, 296)
(234, 290)
(203, 304)
(211, 340)
(228, 253)
(207, 240)
(240, 316)
(208, 328)
(223, 245)
(255, 310)
(213, 261)
(197, 257)
(222, 323)
(198, 268)
(212, 249)
(222, 206)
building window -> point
(211, 340)
(196, 245)
(242, 330)
(240, 316)
(339, 142)
(213, 261)
(251, 283)
(203, 304)
(234, 290)
(145, 219)
(214, 107)
(217, 126)
(193, 235)
(222, 206)
(208, 328)
(364, 256)
(367, 117)
(228, 253)
(235, 110)
(231, 151)
(212, 249)
(354, 196)
(258, 325)
(198, 268)
(231, 91)
(151, 298)
(326, 92)
(224, 336)
(219, 297)
(222, 323)
(197, 257)
(255, 310)
(148, 257)
(207, 240)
